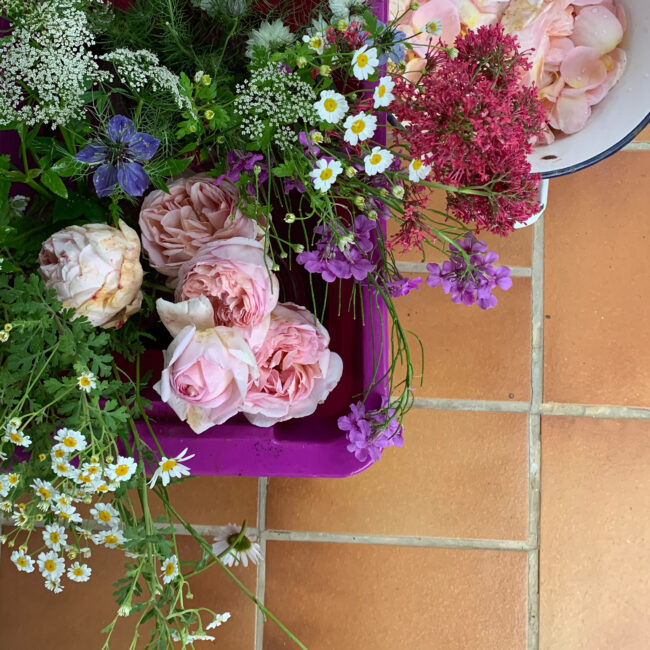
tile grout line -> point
(260, 589)
(421, 267)
(637, 146)
(534, 432)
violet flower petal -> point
(105, 180)
(142, 147)
(95, 152)
(120, 129)
(132, 178)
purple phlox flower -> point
(370, 432)
(402, 286)
(343, 256)
(119, 158)
(238, 162)
(474, 282)
(293, 184)
(307, 142)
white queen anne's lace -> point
(46, 63)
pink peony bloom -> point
(207, 369)
(297, 369)
(174, 226)
(95, 269)
(235, 276)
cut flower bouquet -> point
(194, 217)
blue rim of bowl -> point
(602, 155)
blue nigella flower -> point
(119, 158)
(396, 51)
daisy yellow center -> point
(50, 565)
(78, 571)
(69, 441)
(326, 174)
(122, 470)
(316, 43)
(358, 126)
(64, 515)
(102, 488)
(169, 465)
(381, 91)
(417, 164)
(21, 561)
(93, 470)
(362, 60)
(13, 479)
(44, 492)
(169, 569)
(59, 453)
(330, 105)
(375, 159)
(63, 468)
(86, 478)
(240, 546)
(104, 515)
(84, 381)
(54, 538)
(110, 539)
(15, 437)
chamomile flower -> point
(383, 94)
(64, 468)
(62, 500)
(169, 468)
(4, 336)
(22, 561)
(44, 489)
(219, 620)
(359, 127)
(434, 27)
(55, 537)
(20, 518)
(6, 506)
(54, 584)
(315, 41)
(79, 572)
(364, 62)
(169, 569)
(68, 514)
(17, 437)
(50, 564)
(87, 381)
(377, 161)
(110, 538)
(105, 514)
(71, 440)
(418, 171)
(12, 479)
(331, 107)
(243, 550)
(59, 452)
(122, 470)
(325, 173)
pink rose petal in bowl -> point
(559, 47)
(582, 68)
(571, 112)
(597, 27)
(614, 64)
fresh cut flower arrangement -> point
(192, 191)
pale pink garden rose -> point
(175, 226)
(95, 269)
(207, 369)
(297, 369)
(235, 275)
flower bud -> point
(360, 202)
(8, 327)
(350, 171)
(206, 79)
(208, 114)
(341, 24)
(414, 6)
(220, 139)
(298, 248)
(398, 191)
(324, 70)
(290, 217)
(301, 61)
(372, 215)
(198, 76)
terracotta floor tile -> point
(470, 353)
(345, 597)
(514, 250)
(596, 339)
(595, 592)
(458, 474)
(33, 618)
(644, 136)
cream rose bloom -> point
(95, 269)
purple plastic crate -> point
(311, 446)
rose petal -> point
(559, 47)
(615, 64)
(582, 68)
(197, 312)
(570, 113)
(597, 27)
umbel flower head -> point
(119, 157)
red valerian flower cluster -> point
(474, 119)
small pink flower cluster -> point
(473, 120)
(235, 348)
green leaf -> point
(284, 170)
(67, 167)
(173, 166)
(53, 182)
(189, 147)
(78, 208)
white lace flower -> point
(377, 161)
(325, 173)
(243, 550)
(169, 468)
(383, 94)
(364, 62)
(331, 107)
(359, 127)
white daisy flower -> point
(325, 173)
(44, 489)
(331, 107)
(104, 488)
(79, 572)
(105, 514)
(87, 481)
(71, 440)
(18, 438)
(169, 468)
(122, 470)
(418, 171)
(359, 127)
(315, 41)
(93, 469)
(55, 537)
(50, 564)
(364, 62)
(244, 550)
(20, 518)
(6, 506)
(383, 94)
(64, 468)
(68, 514)
(59, 452)
(54, 584)
(62, 500)
(219, 620)
(87, 381)
(4, 337)
(377, 161)
(22, 561)
(4, 485)
(169, 569)
(434, 27)
(110, 538)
